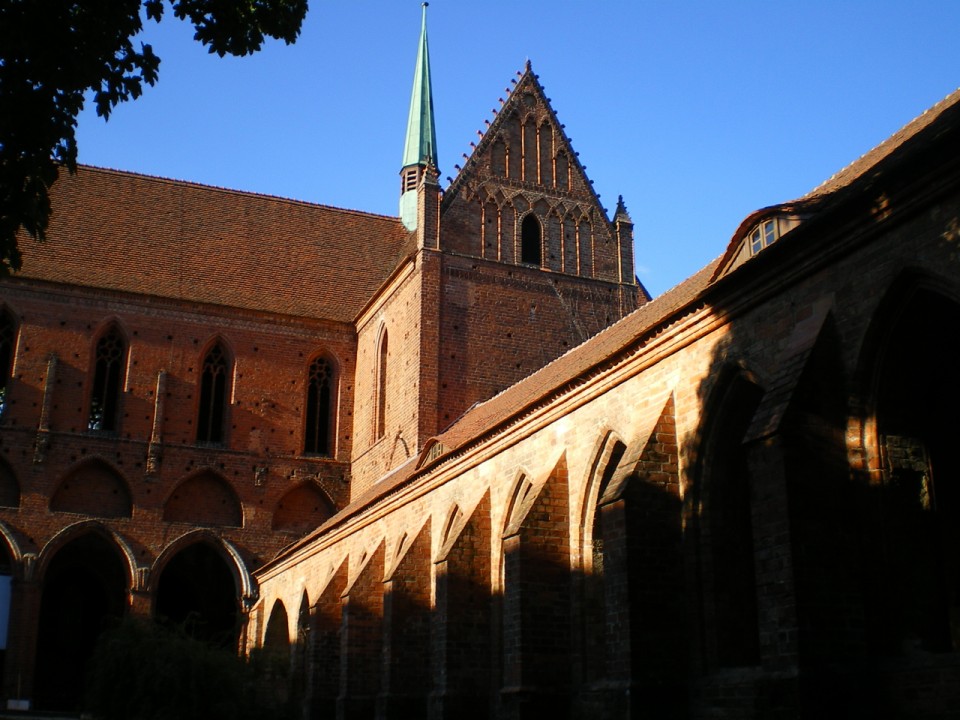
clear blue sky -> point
(696, 112)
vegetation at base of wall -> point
(147, 670)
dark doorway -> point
(84, 588)
(918, 426)
(197, 590)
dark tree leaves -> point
(53, 53)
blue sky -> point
(696, 112)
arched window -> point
(214, 388)
(381, 403)
(8, 338)
(320, 421)
(530, 234)
(107, 376)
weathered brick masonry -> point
(458, 465)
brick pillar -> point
(362, 641)
(406, 633)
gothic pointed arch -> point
(910, 392)
(205, 498)
(109, 364)
(95, 488)
(199, 582)
(216, 386)
(276, 637)
(322, 396)
(531, 240)
(724, 527)
(381, 384)
(595, 551)
(85, 582)
(302, 509)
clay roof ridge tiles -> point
(232, 191)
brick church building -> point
(457, 463)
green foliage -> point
(53, 53)
(143, 670)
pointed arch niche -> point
(914, 598)
(380, 401)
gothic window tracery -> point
(214, 387)
(320, 406)
(111, 352)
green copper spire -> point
(420, 147)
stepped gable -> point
(131, 233)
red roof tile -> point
(131, 233)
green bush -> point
(145, 670)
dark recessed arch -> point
(302, 509)
(93, 488)
(531, 240)
(85, 587)
(197, 585)
(724, 526)
(909, 423)
(204, 499)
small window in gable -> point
(763, 235)
(320, 420)
(214, 390)
(8, 339)
(109, 360)
(530, 240)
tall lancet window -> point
(319, 429)
(111, 354)
(381, 404)
(214, 390)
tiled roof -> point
(131, 233)
(541, 386)
(888, 147)
(907, 139)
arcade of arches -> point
(545, 494)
